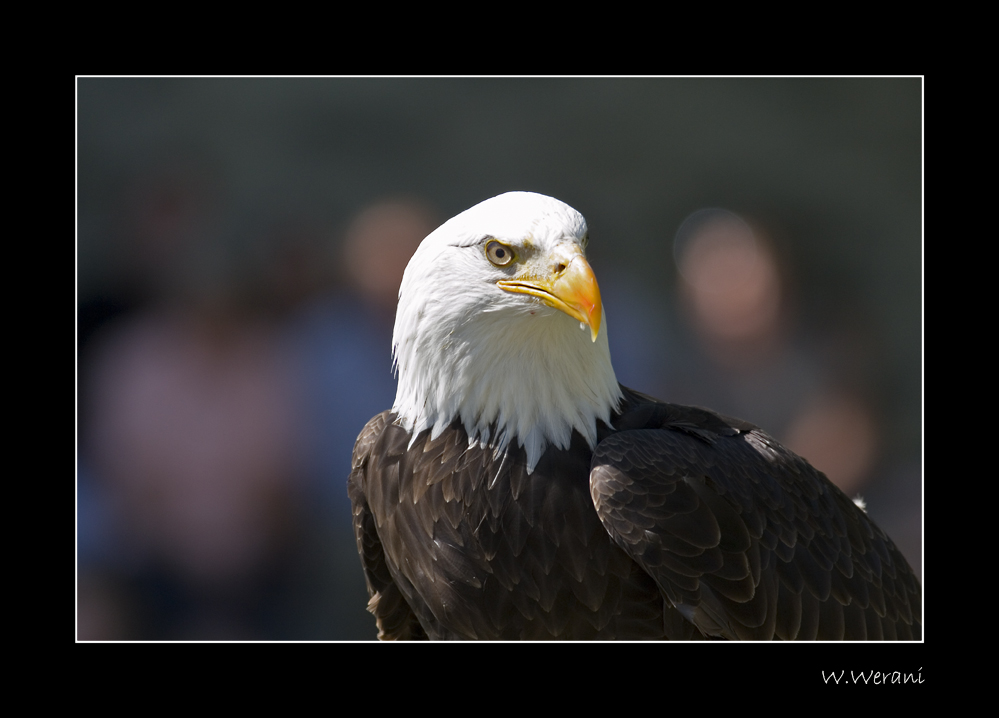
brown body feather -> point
(681, 524)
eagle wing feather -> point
(744, 537)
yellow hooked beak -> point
(568, 284)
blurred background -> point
(240, 243)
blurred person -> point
(160, 219)
(344, 338)
(750, 362)
(731, 288)
(378, 245)
(192, 433)
(341, 342)
(188, 463)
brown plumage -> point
(682, 524)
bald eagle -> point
(516, 490)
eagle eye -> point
(498, 253)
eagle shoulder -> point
(745, 538)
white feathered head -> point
(500, 323)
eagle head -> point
(500, 324)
